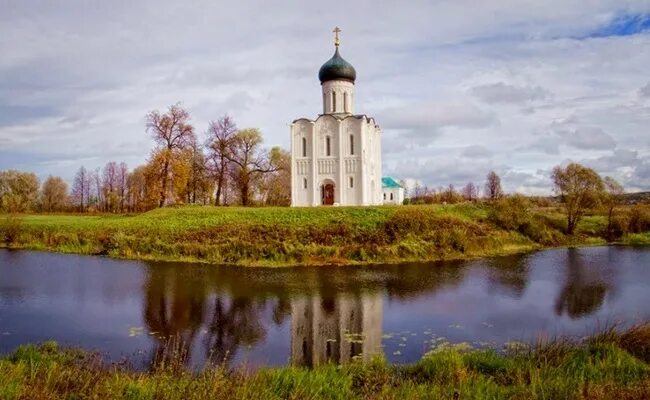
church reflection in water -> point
(335, 328)
(188, 318)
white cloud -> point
(439, 77)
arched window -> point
(304, 183)
(324, 103)
(304, 147)
(333, 101)
(328, 146)
(345, 101)
(384, 196)
(391, 196)
(351, 145)
(351, 182)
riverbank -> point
(606, 366)
(306, 236)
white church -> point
(336, 158)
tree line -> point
(229, 166)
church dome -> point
(336, 68)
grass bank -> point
(284, 236)
(607, 366)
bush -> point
(511, 213)
(639, 219)
(10, 229)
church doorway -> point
(327, 193)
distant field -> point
(283, 236)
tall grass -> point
(606, 366)
(283, 236)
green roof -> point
(388, 182)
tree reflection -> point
(583, 292)
(173, 313)
(508, 275)
(235, 322)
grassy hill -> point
(286, 236)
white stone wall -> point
(353, 164)
(396, 198)
(338, 97)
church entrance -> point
(327, 194)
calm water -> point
(147, 311)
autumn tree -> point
(470, 192)
(276, 185)
(249, 161)
(612, 197)
(140, 197)
(493, 189)
(579, 188)
(109, 186)
(219, 137)
(199, 185)
(81, 188)
(18, 191)
(54, 194)
(171, 131)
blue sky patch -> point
(625, 25)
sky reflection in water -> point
(207, 314)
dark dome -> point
(336, 68)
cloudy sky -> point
(459, 87)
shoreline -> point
(611, 363)
(283, 237)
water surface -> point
(150, 311)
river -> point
(147, 312)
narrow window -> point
(351, 145)
(304, 147)
(328, 148)
(391, 196)
(333, 102)
(345, 101)
(304, 182)
(324, 103)
(384, 196)
(351, 182)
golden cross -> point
(336, 31)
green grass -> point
(609, 365)
(289, 236)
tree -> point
(249, 161)
(81, 188)
(18, 191)
(54, 194)
(470, 192)
(579, 188)
(613, 196)
(122, 184)
(220, 134)
(276, 186)
(171, 131)
(109, 186)
(493, 189)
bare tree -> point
(54, 194)
(220, 134)
(96, 181)
(81, 188)
(614, 192)
(249, 161)
(109, 185)
(171, 131)
(470, 192)
(493, 189)
(122, 183)
(579, 188)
